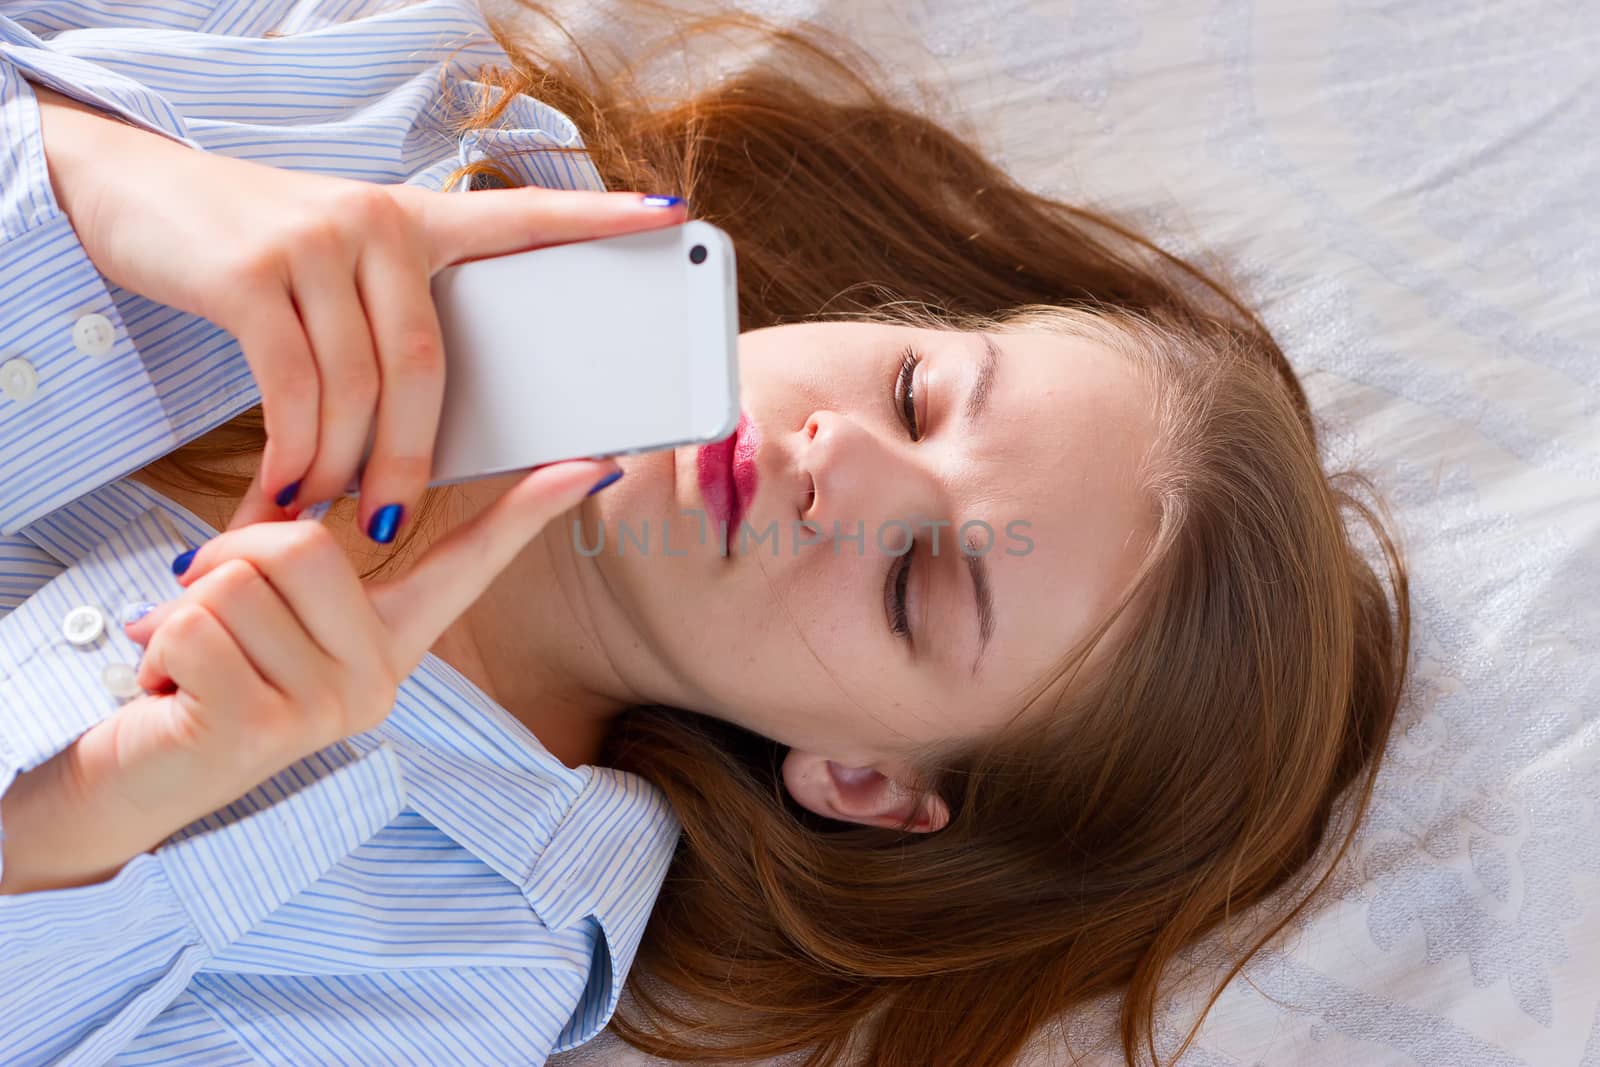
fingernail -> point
(603, 482)
(315, 512)
(385, 523)
(286, 495)
(182, 561)
(662, 201)
(134, 612)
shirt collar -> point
(579, 842)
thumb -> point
(456, 570)
(494, 222)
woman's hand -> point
(324, 281)
(276, 649)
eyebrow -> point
(977, 565)
(982, 593)
(984, 385)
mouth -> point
(727, 470)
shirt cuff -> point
(77, 406)
(89, 83)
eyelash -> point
(903, 393)
(894, 584)
(894, 592)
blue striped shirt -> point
(438, 890)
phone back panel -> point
(617, 345)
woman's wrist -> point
(79, 143)
(67, 128)
(64, 825)
(121, 789)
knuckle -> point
(228, 579)
(259, 267)
(193, 623)
(299, 547)
(327, 225)
(318, 237)
(365, 202)
(356, 385)
(419, 354)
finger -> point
(197, 654)
(393, 280)
(279, 356)
(258, 506)
(493, 222)
(142, 628)
(346, 367)
(263, 625)
(310, 572)
(420, 605)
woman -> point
(921, 804)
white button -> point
(18, 380)
(119, 679)
(84, 625)
(94, 335)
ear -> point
(857, 794)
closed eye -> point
(898, 576)
(894, 592)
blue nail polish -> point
(134, 612)
(662, 201)
(181, 563)
(603, 482)
(385, 524)
(286, 495)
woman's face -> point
(1025, 443)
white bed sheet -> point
(1409, 190)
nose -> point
(856, 475)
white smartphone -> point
(584, 350)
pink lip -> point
(727, 471)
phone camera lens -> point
(697, 254)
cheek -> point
(807, 673)
(786, 383)
(821, 600)
(786, 643)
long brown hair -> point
(1199, 767)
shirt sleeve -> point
(77, 404)
(84, 970)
